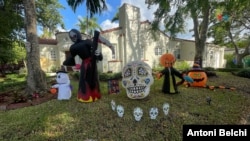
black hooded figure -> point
(88, 90)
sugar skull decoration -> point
(63, 85)
(120, 110)
(113, 105)
(153, 112)
(165, 108)
(169, 72)
(137, 79)
(138, 113)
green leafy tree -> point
(116, 17)
(174, 13)
(93, 6)
(15, 14)
(48, 16)
(11, 22)
(11, 54)
(36, 78)
(96, 6)
(88, 26)
(233, 29)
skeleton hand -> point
(97, 52)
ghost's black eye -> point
(58, 76)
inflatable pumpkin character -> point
(169, 72)
(198, 75)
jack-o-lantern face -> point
(167, 60)
(199, 77)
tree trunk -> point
(200, 31)
(36, 79)
(239, 57)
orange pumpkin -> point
(199, 77)
(53, 90)
(167, 60)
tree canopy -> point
(88, 25)
(94, 6)
(174, 13)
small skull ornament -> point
(137, 79)
(138, 112)
(153, 112)
(165, 108)
(120, 110)
(113, 105)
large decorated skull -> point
(137, 79)
(138, 112)
(153, 112)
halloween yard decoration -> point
(88, 90)
(138, 112)
(120, 110)
(169, 72)
(199, 78)
(165, 108)
(53, 90)
(113, 86)
(63, 86)
(198, 75)
(137, 79)
(153, 112)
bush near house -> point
(243, 73)
(230, 61)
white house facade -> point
(132, 40)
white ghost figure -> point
(153, 112)
(113, 105)
(138, 113)
(165, 108)
(63, 85)
(120, 110)
(137, 79)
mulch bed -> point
(7, 102)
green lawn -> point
(74, 121)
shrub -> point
(53, 69)
(243, 73)
(230, 61)
(106, 76)
(209, 69)
(181, 65)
